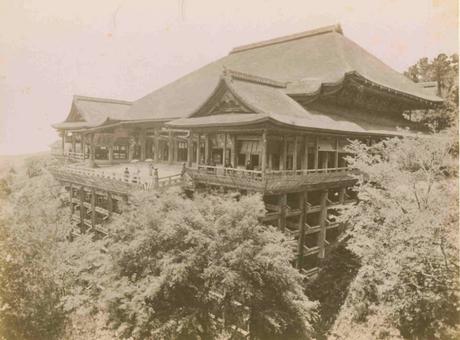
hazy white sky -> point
(53, 49)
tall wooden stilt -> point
(316, 152)
(190, 149)
(264, 151)
(283, 154)
(198, 150)
(93, 207)
(72, 208)
(294, 156)
(283, 206)
(109, 203)
(82, 207)
(170, 147)
(303, 215)
(322, 225)
(305, 153)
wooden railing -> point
(270, 180)
(116, 182)
(74, 156)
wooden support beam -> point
(234, 151)
(142, 141)
(72, 208)
(206, 149)
(110, 203)
(93, 207)
(224, 151)
(264, 150)
(92, 152)
(282, 204)
(170, 147)
(156, 145)
(283, 154)
(322, 224)
(110, 154)
(316, 152)
(294, 156)
(190, 149)
(63, 141)
(336, 155)
(305, 153)
(303, 207)
(82, 206)
(198, 150)
(342, 195)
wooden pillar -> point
(270, 161)
(302, 219)
(93, 207)
(336, 155)
(283, 154)
(325, 162)
(63, 141)
(282, 204)
(170, 147)
(110, 154)
(82, 207)
(143, 140)
(83, 145)
(156, 145)
(322, 225)
(198, 150)
(342, 195)
(234, 152)
(305, 153)
(92, 152)
(264, 150)
(74, 142)
(224, 150)
(294, 156)
(72, 208)
(190, 149)
(109, 203)
(206, 149)
(316, 152)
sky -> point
(124, 49)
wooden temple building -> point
(272, 117)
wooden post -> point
(83, 145)
(93, 207)
(282, 204)
(109, 203)
(303, 217)
(316, 152)
(63, 141)
(170, 147)
(264, 151)
(110, 154)
(142, 140)
(92, 152)
(294, 156)
(283, 154)
(336, 156)
(224, 150)
(156, 145)
(305, 153)
(82, 207)
(198, 150)
(156, 178)
(71, 200)
(234, 151)
(342, 195)
(73, 142)
(206, 149)
(322, 224)
(190, 149)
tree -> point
(176, 268)
(32, 229)
(405, 231)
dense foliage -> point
(172, 267)
(405, 231)
(32, 229)
(443, 70)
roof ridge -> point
(317, 31)
(102, 100)
(252, 78)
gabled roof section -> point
(91, 111)
(269, 103)
(308, 59)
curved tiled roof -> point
(270, 103)
(91, 111)
(307, 60)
